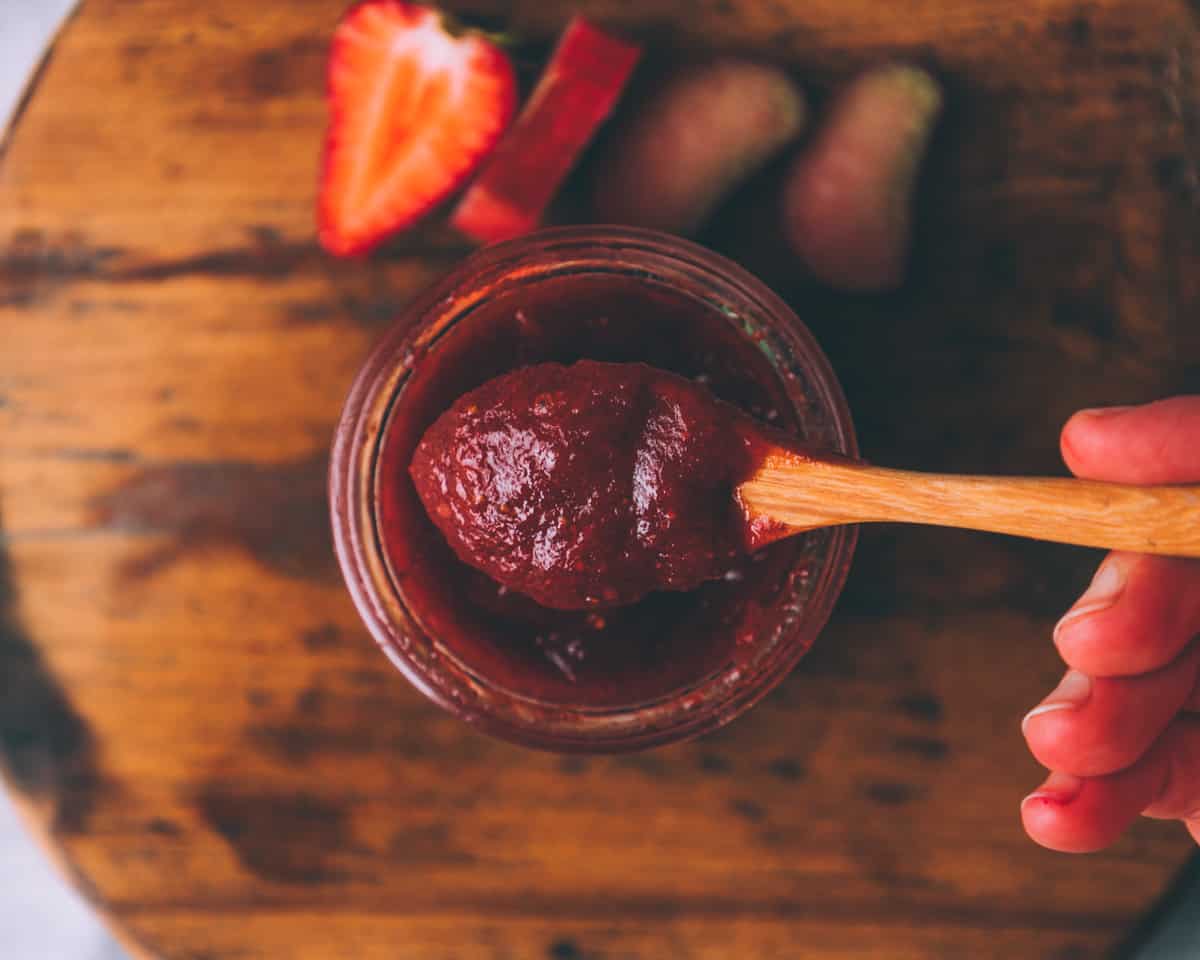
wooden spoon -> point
(596, 484)
(791, 491)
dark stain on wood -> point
(133, 55)
(360, 722)
(564, 949)
(310, 701)
(31, 265)
(86, 307)
(1170, 171)
(573, 766)
(35, 265)
(375, 680)
(648, 764)
(370, 310)
(268, 258)
(889, 794)
(162, 827)
(927, 748)
(714, 763)
(136, 49)
(1092, 314)
(100, 455)
(283, 837)
(17, 299)
(428, 845)
(325, 637)
(40, 263)
(291, 743)
(912, 570)
(1077, 31)
(373, 312)
(305, 312)
(872, 589)
(1042, 580)
(787, 768)
(279, 72)
(1186, 381)
(298, 736)
(47, 748)
(925, 707)
(276, 512)
(748, 810)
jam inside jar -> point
(669, 666)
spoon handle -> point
(804, 493)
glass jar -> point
(633, 294)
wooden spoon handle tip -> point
(804, 494)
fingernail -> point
(1059, 789)
(1072, 692)
(1105, 588)
(1103, 411)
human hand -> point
(1121, 733)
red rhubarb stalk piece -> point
(575, 94)
(704, 130)
(848, 198)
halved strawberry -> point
(413, 110)
(579, 88)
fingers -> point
(1136, 617)
(1112, 731)
(1093, 726)
(1155, 443)
(1082, 815)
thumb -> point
(1155, 443)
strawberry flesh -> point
(575, 94)
(413, 112)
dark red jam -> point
(590, 485)
(613, 651)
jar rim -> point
(362, 427)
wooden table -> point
(197, 725)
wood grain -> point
(791, 492)
(189, 710)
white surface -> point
(25, 28)
(41, 917)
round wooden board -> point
(189, 708)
